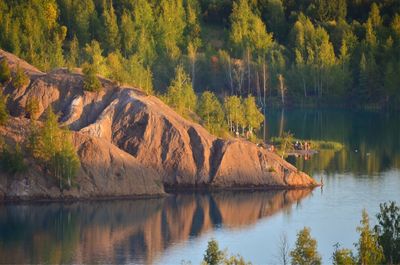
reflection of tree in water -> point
(129, 230)
(371, 139)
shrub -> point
(91, 82)
(12, 161)
(3, 109)
(20, 79)
(5, 73)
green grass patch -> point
(315, 144)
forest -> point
(279, 52)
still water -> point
(168, 230)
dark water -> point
(169, 230)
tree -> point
(180, 94)
(32, 108)
(128, 33)
(305, 251)
(94, 57)
(20, 79)
(234, 113)
(252, 114)
(90, 80)
(138, 75)
(73, 54)
(3, 109)
(111, 38)
(343, 256)
(53, 146)
(388, 231)
(283, 254)
(369, 250)
(116, 70)
(210, 110)
(171, 26)
(12, 161)
(213, 255)
(5, 73)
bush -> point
(91, 82)
(3, 109)
(32, 108)
(12, 161)
(20, 79)
(5, 73)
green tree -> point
(5, 73)
(369, 250)
(12, 161)
(128, 34)
(252, 114)
(180, 94)
(90, 80)
(305, 251)
(388, 231)
(343, 256)
(3, 109)
(138, 75)
(20, 79)
(234, 113)
(116, 70)
(210, 110)
(73, 56)
(94, 56)
(111, 36)
(32, 108)
(213, 255)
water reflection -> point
(372, 139)
(129, 230)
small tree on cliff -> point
(90, 81)
(305, 251)
(53, 145)
(5, 73)
(3, 109)
(20, 79)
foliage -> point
(5, 73)
(20, 79)
(369, 250)
(286, 143)
(12, 161)
(388, 231)
(3, 109)
(213, 255)
(338, 52)
(90, 81)
(343, 256)
(53, 146)
(210, 110)
(32, 108)
(180, 94)
(305, 251)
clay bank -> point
(131, 144)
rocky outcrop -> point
(146, 133)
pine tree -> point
(111, 38)
(3, 109)
(90, 81)
(20, 79)
(305, 251)
(180, 94)
(5, 73)
(369, 250)
(213, 255)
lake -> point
(168, 230)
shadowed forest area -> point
(307, 53)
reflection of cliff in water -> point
(126, 231)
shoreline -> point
(168, 192)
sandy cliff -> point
(122, 127)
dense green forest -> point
(306, 52)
